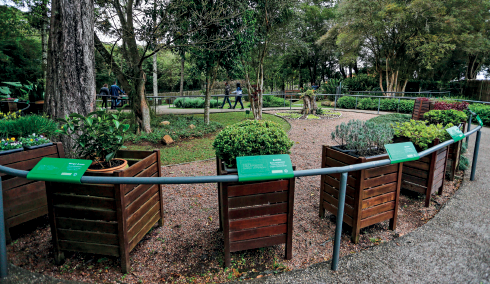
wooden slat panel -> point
(257, 243)
(132, 219)
(19, 200)
(335, 193)
(142, 222)
(378, 200)
(416, 172)
(143, 231)
(81, 189)
(89, 248)
(413, 187)
(10, 194)
(258, 211)
(339, 156)
(243, 224)
(441, 155)
(140, 166)
(333, 210)
(129, 188)
(136, 192)
(440, 164)
(25, 206)
(380, 180)
(414, 179)
(378, 209)
(14, 182)
(377, 171)
(85, 213)
(377, 218)
(425, 159)
(151, 193)
(336, 184)
(86, 225)
(351, 181)
(258, 233)
(24, 217)
(88, 237)
(259, 199)
(334, 200)
(128, 154)
(94, 202)
(257, 188)
(436, 186)
(374, 191)
(6, 160)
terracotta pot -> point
(110, 170)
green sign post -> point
(479, 120)
(60, 170)
(402, 152)
(455, 133)
(269, 167)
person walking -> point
(115, 90)
(104, 93)
(227, 95)
(238, 94)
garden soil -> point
(189, 247)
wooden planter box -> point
(426, 175)
(23, 199)
(107, 219)
(372, 195)
(420, 108)
(256, 214)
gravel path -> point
(189, 247)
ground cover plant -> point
(422, 134)
(391, 118)
(446, 116)
(320, 114)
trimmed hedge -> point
(271, 101)
(348, 102)
(483, 111)
(195, 103)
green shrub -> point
(464, 163)
(391, 118)
(483, 111)
(251, 138)
(367, 103)
(346, 102)
(445, 116)
(195, 103)
(361, 82)
(363, 136)
(271, 101)
(26, 125)
(406, 106)
(389, 105)
(420, 133)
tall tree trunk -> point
(207, 99)
(155, 77)
(144, 116)
(182, 65)
(70, 86)
(44, 39)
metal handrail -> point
(233, 178)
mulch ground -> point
(189, 247)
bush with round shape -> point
(422, 134)
(445, 116)
(366, 103)
(483, 111)
(251, 138)
(346, 102)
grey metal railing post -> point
(335, 104)
(290, 102)
(284, 98)
(379, 104)
(3, 241)
(340, 220)
(469, 128)
(475, 155)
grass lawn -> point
(194, 149)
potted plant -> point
(106, 219)
(372, 195)
(10, 145)
(34, 141)
(426, 175)
(99, 136)
(455, 117)
(254, 214)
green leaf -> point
(110, 156)
(117, 123)
(125, 127)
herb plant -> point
(98, 136)
(446, 116)
(363, 137)
(422, 134)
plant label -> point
(269, 167)
(402, 152)
(455, 133)
(479, 120)
(59, 170)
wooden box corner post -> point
(107, 219)
(420, 108)
(24, 199)
(372, 195)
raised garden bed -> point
(255, 214)
(25, 199)
(426, 175)
(420, 108)
(107, 219)
(372, 195)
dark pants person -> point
(104, 101)
(227, 98)
(238, 99)
(114, 102)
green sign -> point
(479, 120)
(270, 167)
(61, 170)
(455, 133)
(402, 152)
